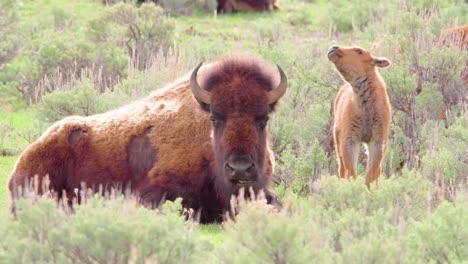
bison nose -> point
(332, 49)
(240, 169)
(333, 53)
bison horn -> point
(200, 94)
(279, 91)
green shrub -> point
(301, 127)
(84, 55)
(8, 25)
(98, 48)
(342, 221)
(408, 196)
(100, 231)
(52, 49)
(143, 32)
(82, 99)
(444, 157)
(260, 235)
(395, 156)
(375, 247)
(301, 167)
(356, 15)
(29, 237)
(441, 238)
(365, 225)
(423, 77)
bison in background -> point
(455, 37)
(202, 138)
(227, 6)
(362, 111)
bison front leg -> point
(151, 196)
(336, 139)
(376, 152)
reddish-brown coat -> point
(362, 111)
(456, 36)
(113, 148)
(227, 6)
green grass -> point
(19, 129)
(297, 38)
(6, 165)
(52, 11)
(214, 233)
(18, 120)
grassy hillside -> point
(60, 58)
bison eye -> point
(359, 52)
(216, 120)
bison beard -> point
(201, 138)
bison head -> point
(355, 62)
(239, 95)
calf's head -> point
(239, 95)
(355, 62)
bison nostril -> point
(332, 48)
(239, 167)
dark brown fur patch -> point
(75, 135)
(141, 156)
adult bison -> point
(456, 37)
(227, 6)
(202, 138)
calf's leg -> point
(376, 152)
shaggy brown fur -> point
(456, 36)
(362, 111)
(227, 6)
(161, 146)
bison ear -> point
(381, 62)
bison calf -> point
(362, 111)
(202, 138)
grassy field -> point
(6, 166)
(71, 57)
(17, 124)
(19, 131)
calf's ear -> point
(381, 62)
